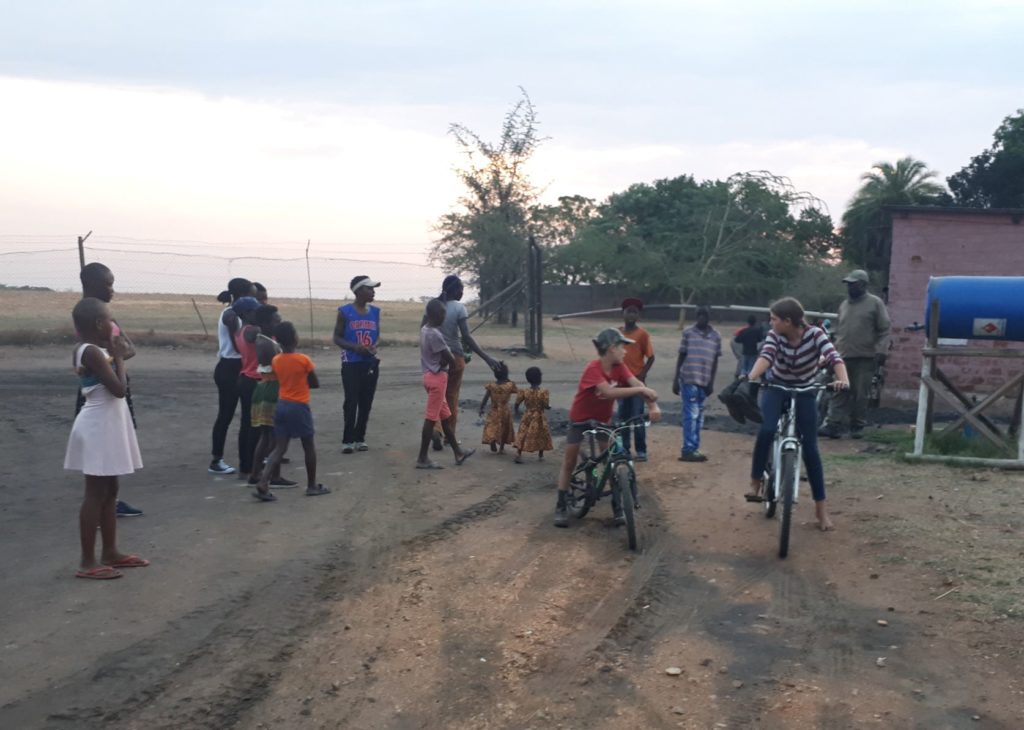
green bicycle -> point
(607, 470)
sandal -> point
(129, 561)
(317, 491)
(753, 497)
(465, 455)
(282, 483)
(100, 572)
(267, 496)
(428, 465)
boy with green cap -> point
(604, 381)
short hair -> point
(752, 319)
(533, 375)
(434, 305)
(86, 312)
(450, 282)
(264, 315)
(791, 309)
(92, 272)
(703, 310)
(286, 334)
(237, 288)
(501, 369)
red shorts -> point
(437, 406)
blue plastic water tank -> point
(978, 307)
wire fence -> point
(171, 286)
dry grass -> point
(44, 317)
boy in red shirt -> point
(604, 381)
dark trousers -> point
(851, 406)
(629, 407)
(806, 406)
(247, 435)
(359, 379)
(225, 375)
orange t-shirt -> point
(292, 370)
(639, 352)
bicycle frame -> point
(786, 439)
(611, 455)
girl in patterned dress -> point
(534, 432)
(102, 444)
(499, 429)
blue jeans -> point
(693, 416)
(806, 428)
(629, 407)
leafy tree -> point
(486, 235)
(867, 227)
(995, 178)
(558, 226)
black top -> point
(749, 337)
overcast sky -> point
(281, 121)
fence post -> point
(81, 250)
(309, 285)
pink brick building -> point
(930, 242)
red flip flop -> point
(129, 561)
(100, 572)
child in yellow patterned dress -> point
(499, 429)
(534, 432)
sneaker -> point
(348, 448)
(830, 431)
(126, 510)
(361, 446)
(561, 511)
(640, 456)
(220, 467)
(618, 517)
(692, 456)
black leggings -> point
(225, 375)
(247, 435)
(359, 379)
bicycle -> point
(611, 464)
(781, 479)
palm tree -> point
(867, 226)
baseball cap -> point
(608, 337)
(364, 281)
(632, 302)
(856, 275)
(245, 304)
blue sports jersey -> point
(361, 328)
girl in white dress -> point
(102, 444)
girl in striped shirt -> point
(791, 355)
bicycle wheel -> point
(790, 473)
(581, 490)
(624, 490)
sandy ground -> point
(446, 600)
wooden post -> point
(81, 250)
(924, 395)
(539, 301)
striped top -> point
(796, 365)
(700, 350)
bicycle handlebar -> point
(596, 427)
(813, 388)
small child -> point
(102, 444)
(264, 398)
(296, 374)
(436, 359)
(499, 429)
(603, 381)
(639, 359)
(534, 432)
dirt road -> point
(419, 600)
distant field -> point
(41, 317)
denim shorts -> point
(293, 420)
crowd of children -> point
(259, 366)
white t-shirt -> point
(455, 312)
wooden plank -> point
(972, 352)
(996, 438)
(975, 408)
(967, 461)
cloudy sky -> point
(282, 121)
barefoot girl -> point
(102, 444)
(790, 356)
(499, 429)
(534, 432)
